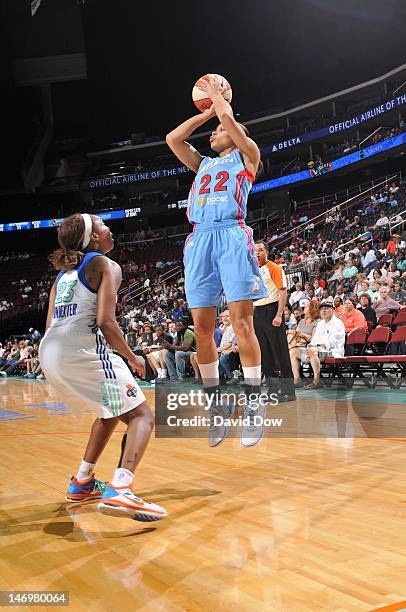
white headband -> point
(88, 229)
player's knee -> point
(242, 329)
(203, 330)
(142, 411)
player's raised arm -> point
(224, 112)
(176, 140)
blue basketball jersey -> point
(220, 190)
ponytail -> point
(71, 234)
(65, 259)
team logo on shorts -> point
(131, 391)
(256, 284)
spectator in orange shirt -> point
(352, 318)
(393, 244)
(338, 307)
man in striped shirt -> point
(270, 327)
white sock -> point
(164, 372)
(252, 375)
(210, 373)
(159, 370)
(122, 477)
(85, 471)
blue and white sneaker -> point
(89, 490)
(254, 416)
(218, 430)
(121, 502)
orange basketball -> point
(199, 96)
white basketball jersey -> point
(75, 301)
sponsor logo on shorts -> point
(256, 284)
(131, 391)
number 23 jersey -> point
(75, 302)
(220, 190)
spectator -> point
(365, 289)
(393, 189)
(366, 309)
(300, 337)
(328, 340)
(338, 306)
(383, 221)
(398, 294)
(155, 352)
(385, 304)
(392, 200)
(290, 320)
(393, 271)
(225, 352)
(350, 269)
(367, 257)
(297, 295)
(318, 290)
(352, 318)
(177, 358)
(394, 244)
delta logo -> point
(131, 391)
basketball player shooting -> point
(219, 255)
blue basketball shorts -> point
(220, 258)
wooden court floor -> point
(289, 525)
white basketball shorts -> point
(89, 376)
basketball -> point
(199, 96)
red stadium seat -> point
(400, 318)
(357, 338)
(395, 362)
(359, 365)
(385, 319)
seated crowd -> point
(327, 283)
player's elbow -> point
(226, 119)
(170, 139)
(105, 324)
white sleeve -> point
(336, 339)
(317, 335)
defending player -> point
(220, 254)
(85, 373)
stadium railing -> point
(319, 219)
(353, 241)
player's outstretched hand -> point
(213, 85)
(137, 364)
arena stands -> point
(352, 250)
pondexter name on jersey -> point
(68, 310)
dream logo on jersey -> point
(131, 391)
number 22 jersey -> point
(220, 190)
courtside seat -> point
(347, 369)
(394, 359)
